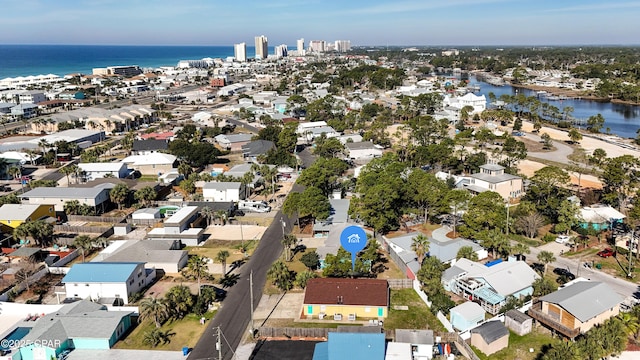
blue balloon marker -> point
(353, 239)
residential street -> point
(234, 315)
(623, 287)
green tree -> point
(311, 260)
(420, 245)
(467, 252)
(543, 286)
(155, 336)
(486, 211)
(547, 144)
(568, 216)
(40, 231)
(566, 350)
(575, 136)
(197, 268)
(280, 276)
(154, 309)
(287, 242)
(620, 177)
(222, 257)
(303, 277)
(84, 243)
(546, 257)
(426, 192)
(146, 195)
(458, 201)
(595, 123)
(119, 195)
(179, 301)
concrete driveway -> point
(555, 248)
(288, 306)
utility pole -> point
(219, 344)
(631, 247)
(251, 300)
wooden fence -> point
(397, 284)
(82, 229)
(96, 219)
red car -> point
(606, 253)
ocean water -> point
(24, 60)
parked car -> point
(563, 239)
(564, 272)
(606, 253)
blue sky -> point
(371, 22)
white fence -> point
(445, 322)
(418, 289)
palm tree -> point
(467, 252)
(68, 170)
(546, 257)
(184, 169)
(420, 245)
(119, 194)
(563, 350)
(155, 337)
(179, 300)
(280, 275)
(631, 324)
(197, 267)
(83, 243)
(208, 214)
(288, 241)
(521, 249)
(221, 215)
(222, 256)
(44, 145)
(154, 309)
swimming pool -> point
(17, 334)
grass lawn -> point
(211, 248)
(185, 332)
(417, 317)
(519, 347)
(295, 264)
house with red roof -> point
(346, 299)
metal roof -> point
(63, 192)
(585, 299)
(222, 185)
(20, 211)
(100, 272)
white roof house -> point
(100, 170)
(150, 159)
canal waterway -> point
(622, 120)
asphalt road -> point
(234, 315)
(621, 286)
(242, 124)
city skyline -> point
(374, 22)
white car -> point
(563, 239)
